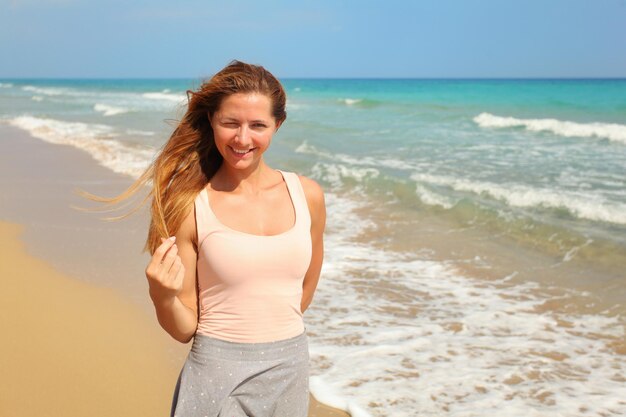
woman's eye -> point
(258, 125)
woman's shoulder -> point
(313, 192)
(310, 186)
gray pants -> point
(228, 379)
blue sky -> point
(429, 38)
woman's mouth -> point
(240, 153)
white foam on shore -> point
(589, 206)
(96, 139)
(6, 85)
(36, 98)
(612, 131)
(165, 95)
(108, 110)
(394, 335)
(326, 394)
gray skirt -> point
(228, 379)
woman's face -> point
(243, 127)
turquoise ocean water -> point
(476, 244)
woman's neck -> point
(246, 181)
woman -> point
(244, 252)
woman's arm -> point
(315, 200)
(173, 293)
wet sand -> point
(81, 336)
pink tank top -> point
(250, 286)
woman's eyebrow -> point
(234, 119)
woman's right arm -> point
(172, 280)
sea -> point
(475, 246)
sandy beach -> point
(81, 337)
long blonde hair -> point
(189, 159)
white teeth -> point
(240, 152)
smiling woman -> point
(243, 127)
(237, 250)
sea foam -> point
(433, 199)
(350, 101)
(52, 91)
(590, 207)
(108, 110)
(611, 131)
(336, 174)
(165, 95)
(306, 148)
(96, 139)
(395, 335)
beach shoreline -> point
(89, 277)
(473, 264)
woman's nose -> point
(243, 134)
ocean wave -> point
(611, 131)
(391, 333)
(6, 85)
(36, 98)
(309, 149)
(108, 110)
(350, 101)
(590, 207)
(291, 105)
(358, 102)
(306, 148)
(165, 95)
(95, 139)
(46, 91)
(337, 174)
(431, 198)
(140, 132)
(111, 103)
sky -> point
(313, 39)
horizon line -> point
(468, 78)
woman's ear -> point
(278, 124)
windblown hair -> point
(189, 158)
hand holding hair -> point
(165, 272)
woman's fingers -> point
(165, 272)
(161, 251)
(177, 281)
(169, 259)
(162, 260)
(171, 269)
